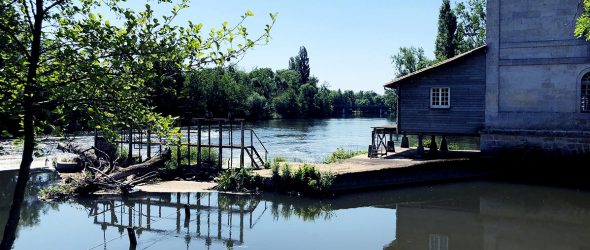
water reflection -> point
(495, 216)
(32, 207)
(471, 215)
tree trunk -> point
(29, 129)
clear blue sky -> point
(349, 42)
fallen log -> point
(143, 168)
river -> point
(297, 140)
(464, 215)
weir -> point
(208, 136)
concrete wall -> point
(534, 67)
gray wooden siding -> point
(466, 79)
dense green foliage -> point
(341, 154)
(89, 72)
(446, 42)
(259, 94)
(306, 180)
(460, 29)
(239, 180)
(471, 29)
(408, 60)
(583, 22)
(209, 157)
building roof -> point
(402, 79)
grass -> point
(340, 154)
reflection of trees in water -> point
(305, 210)
(32, 207)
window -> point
(440, 98)
(585, 98)
(438, 242)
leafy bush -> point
(57, 192)
(239, 180)
(279, 159)
(307, 179)
(341, 154)
(208, 156)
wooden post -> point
(220, 155)
(130, 153)
(242, 144)
(132, 239)
(420, 149)
(149, 213)
(251, 148)
(405, 141)
(433, 147)
(199, 143)
(178, 152)
(149, 144)
(231, 144)
(444, 147)
(187, 215)
(188, 138)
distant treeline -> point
(259, 94)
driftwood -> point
(148, 166)
(105, 174)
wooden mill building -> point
(528, 88)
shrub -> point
(307, 179)
(59, 192)
(208, 156)
(280, 159)
(341, 154)
(239, 180)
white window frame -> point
(437, 99)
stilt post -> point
(444, 147)
(420, 149)
(433, 147)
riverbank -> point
(361, 172)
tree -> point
(67, 57)
(300, 63)
(446, 42)
(409, 60)
(471, 30)
(583, 22)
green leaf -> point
(249, 13)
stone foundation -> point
(564, 143)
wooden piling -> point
(130, 149)
(444, 147)
(433, 147)
(199, 142)
(149, 146)
(178, 152)
(242, 144)
(132, 238)
(220, 155)
(188, 138)
(420, 149)
(251, 148)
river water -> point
(462, 215)
(465, 215)
(297, 140)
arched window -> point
(585, 98)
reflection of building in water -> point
(495, 220)
(212, 217)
